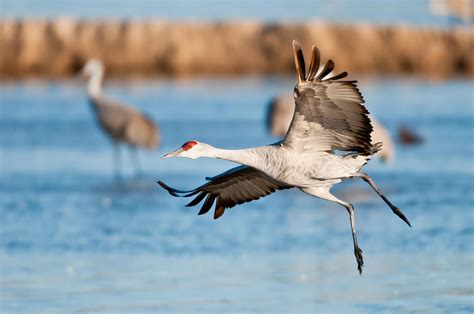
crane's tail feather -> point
(375, 148)
(367, 154)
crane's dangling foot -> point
(394, 208)
(400, 214)
(359, 259)
(357, 250)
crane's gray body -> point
(124, 124)
(299, 169)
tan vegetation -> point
(62, 46)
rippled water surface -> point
(73, 239)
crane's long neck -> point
(258, 157)
(94, 86)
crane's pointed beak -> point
(173, 153)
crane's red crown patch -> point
(188, 145)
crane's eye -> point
(188, 145)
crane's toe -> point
(359, 258)
(400, 214)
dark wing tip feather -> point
(175, 192)
(347, 132)
(207, 204)
(299, 62)
(314, 64)
(169, 189)
(236, 186)
(197, 199)
(328, 67)
(219, 211)
(337, 77)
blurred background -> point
(86, 229)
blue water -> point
(75, 240)
(381, 12)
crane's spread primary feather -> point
(329, 114)
(235, 186)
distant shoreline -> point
(59, 47)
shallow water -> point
(75, 240)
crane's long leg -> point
(324, 193)
(136, 160)
(394, 208)
(117, 160)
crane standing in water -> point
(120, 122)
(329, 117)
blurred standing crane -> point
(120, 122)
(280, 112)
(329, 118)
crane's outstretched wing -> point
(329, 113)
(235, 186)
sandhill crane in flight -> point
(120, 122)
(329, 117)
(280, 113)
